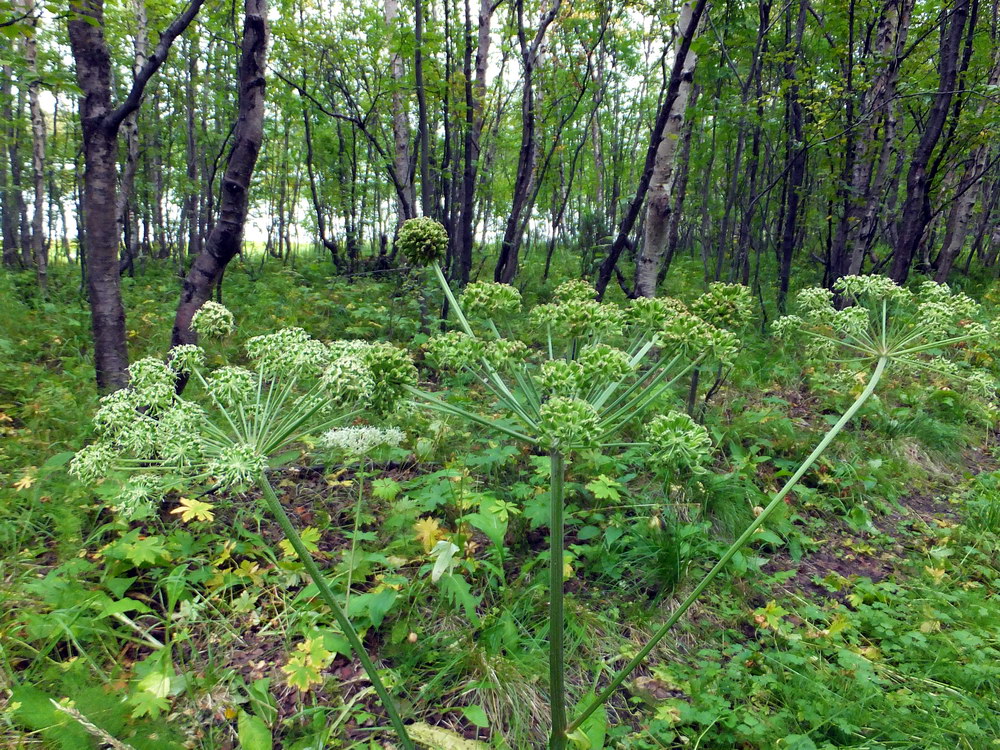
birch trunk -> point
(656, 231)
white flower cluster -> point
(360, 441)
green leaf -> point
(150, 549)
(120, 607)
(592, 734)
(253, 732)
(386, 489)
(310, 537)
(605, 488)
(475, 714)
(283, 458)
(444, 559)
(57, 461)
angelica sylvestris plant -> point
(881, 327)
(234, 422)
(932, 330)
(596, 368)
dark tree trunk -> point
(100, 124)
(507, 262)
(8, 208)
(795, 160)
(224, 241)
(916, 212)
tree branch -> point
(153, 63)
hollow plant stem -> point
(735, 547)
(326, 594)
(557, 688)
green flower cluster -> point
(455, 350)
(575, 317)
(597, 366)
(724, 305)
(562, 377)
(603, 362)
(575, 290)
(696, 336)
(502, 352)
(232, 385)
(653, 313)
(298, 385)
(487, 299)
(392, 371)
(678, 443)
(568, 423)
(882, 319)
(422, 241)
(213, 320)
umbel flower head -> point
(932, 330)
(488, 299)
(232, 420)
(724, 305)
(422, 240)
(678, 443)
(567, 423)
(592, 367)
(213, 320)
(360, 441)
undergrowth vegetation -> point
(860, 613)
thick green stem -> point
(557, 688)
(736, 546)
(326, 594)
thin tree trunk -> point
(405, 197)
(507, 262)
(960, 214)
(39, 250)
(130, 128)
(191, 187)
(635, 206)
(875, 145)
(225, 239)
(8, 205)
(795, 160)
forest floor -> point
(866, 616)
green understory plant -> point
(580, 391)
(235, 423)
(597, 367)
(884, 328)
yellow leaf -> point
(428, 532)
(437, 738)
(937, 574)
(190, 509)
(839, 624)
(24, 482)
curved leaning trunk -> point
(226, 237)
